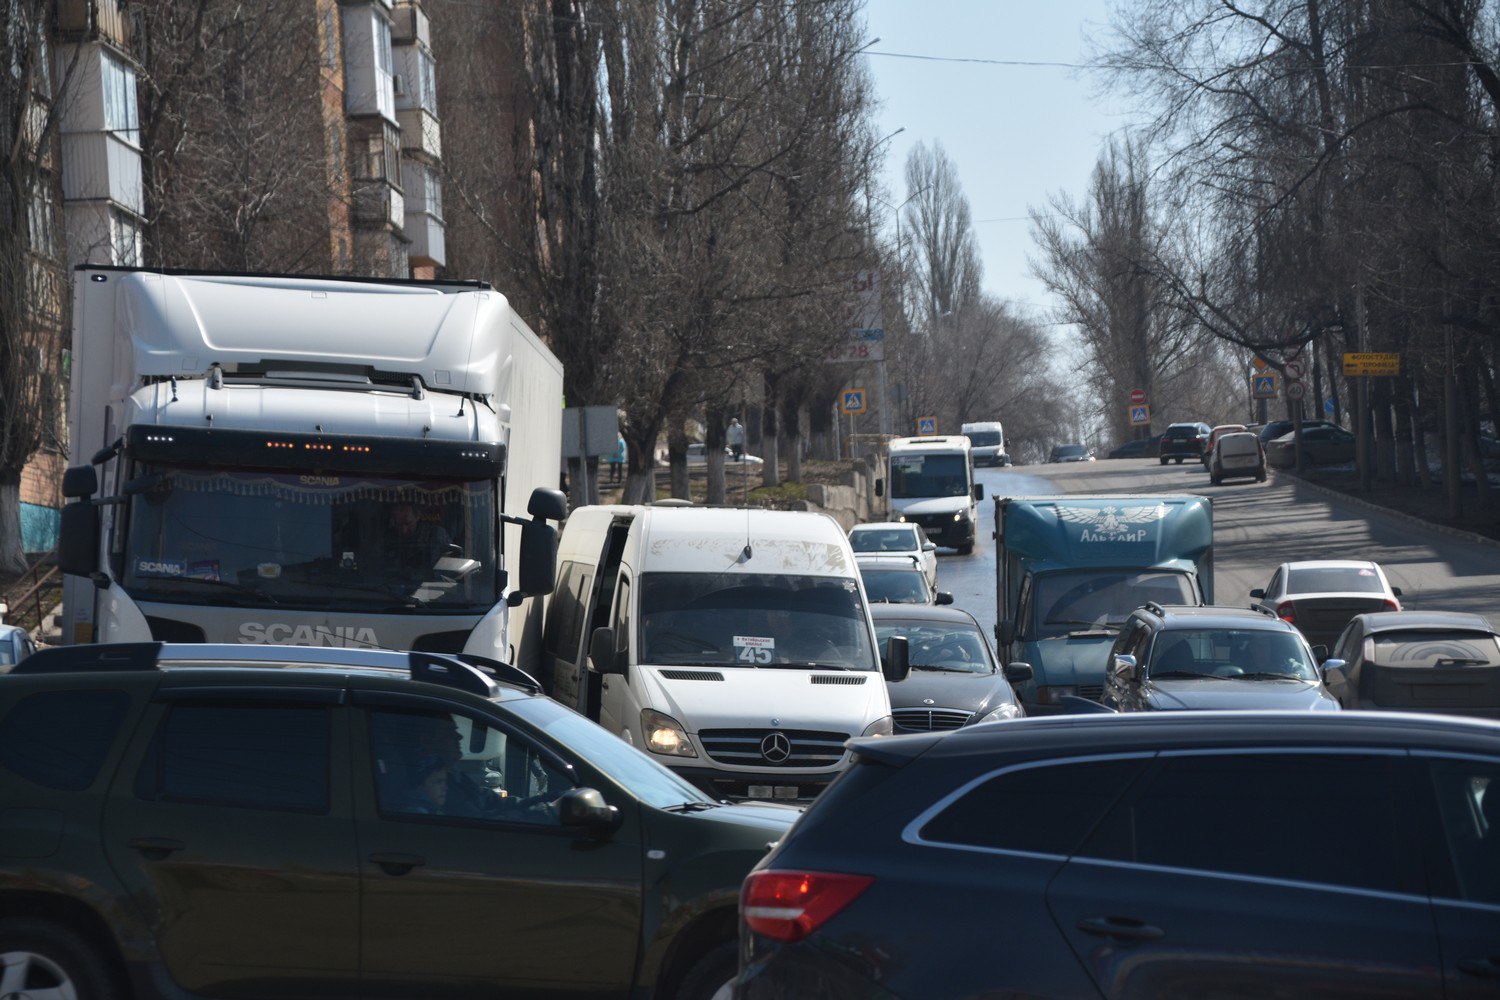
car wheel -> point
(1164, 461)
(44, 959)
(966, 548)
(1260, 476)
(1216, 479)
(712, 978)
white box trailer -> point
(306, 460)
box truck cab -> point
(734, 645)
(987, 441)
(1071, 569)
(931, 483)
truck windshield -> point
(929, 476)
(754, 620)
(984, 439)
(336, 541)
(1072, 600)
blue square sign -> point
(927, 425)
(854, 401)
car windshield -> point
(1071, 450)
(984, 439)
(1068, 600)
(1435, 649)
(754, 620)
(941, 646)
(649, 781)
(331, 540)
(894, 586)
(1334, 580)
(929, 476)
(883, 540)
(1182, 432)
(1229, 652)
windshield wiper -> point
(945, 670)
(1267, 675)
(802, 665)
(691, 807)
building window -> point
(385, 87)
(426, 82)
(330, 47)
(124, 239)
(434, 192)
(40, 220)
(117, 80)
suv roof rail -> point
(1264, 610)
(1155, 608)
(507, 672)
(78, 659)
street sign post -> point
(1372, 364)
(854, 401)
(1137, 397)
(1264, 386)
(1140, 415)
(926, 425)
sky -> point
(1016, 134)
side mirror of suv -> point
(585, 809)
(1258, 594)
(1125, 669)
(1019, 672)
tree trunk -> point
(770, 473)
(716, 420)
(791, 425)
(1423, 471)
(12, 552)
(640, 478)
(1385, 452)
(677, 467)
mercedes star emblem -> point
(776, 748)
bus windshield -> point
(929, 476)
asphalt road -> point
(1256, 527)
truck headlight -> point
(664, 735)
(962, 515)
(901, 518)
(880, 727)
(1051, 695)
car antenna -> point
(747, 552)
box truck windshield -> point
(327, 540)
(754, 620)
(1068, 599)
(914, 476)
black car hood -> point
(979, 693)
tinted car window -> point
(883, 540)
(1468, 798)
(1070, 598)
(1041, 810)
(1432, 649)
(898, 586)
(1226, 652)
(1263, 815)
(256, 756)
(1332, 580)
(940, 645)
(58, 739)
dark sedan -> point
(1427, 661)
(954, 678)
(1181, 854)
(1183, 441)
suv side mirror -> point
(1258, 594)
(1327, 668)
(585, 809)
(603, 655)
(1125, 669)
(942, 597)
(896, 664)
(1019, 672)
(1396, 591)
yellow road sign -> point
(1372, 364)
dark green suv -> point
(293, 822)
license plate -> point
(760, 791)
(787, 791)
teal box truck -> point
(1070, 569)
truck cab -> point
(931, 483)
(987, 441)
(1071, 569)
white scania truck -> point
(313, 461)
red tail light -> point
(1286, 612)
(788, 906)
(1391, 604)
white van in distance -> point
(932, 484)
(987, 442)
(734, 645)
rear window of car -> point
(1036, 810)
(1431, 649)
(1333, 580)
(58, 739)
(1182, 432)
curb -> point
(1400, 515)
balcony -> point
(94, 19)
(378, 204)
(421, 136)
(101, 166)
(426, 234)
(410, 24)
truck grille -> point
(928, 720)
(1093, 692)
(760, 748)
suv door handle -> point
(397, 864)
(1120, 928)
(155, 848)
(1485, 968)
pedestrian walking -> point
(617, 460)
(734, 436)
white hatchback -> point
(896, 538)
(1238, 455)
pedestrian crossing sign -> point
(854, 401)
(927, 425)
(1140, 415)
(1264, 385)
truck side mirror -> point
(978, 491)
(1019, 672)
(538, 570)
(603, 655)
(880, 487)
(1125, 668)
(547, 503)
(896, 664)
(78, 538)
(80, 481)
(1005, 632)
